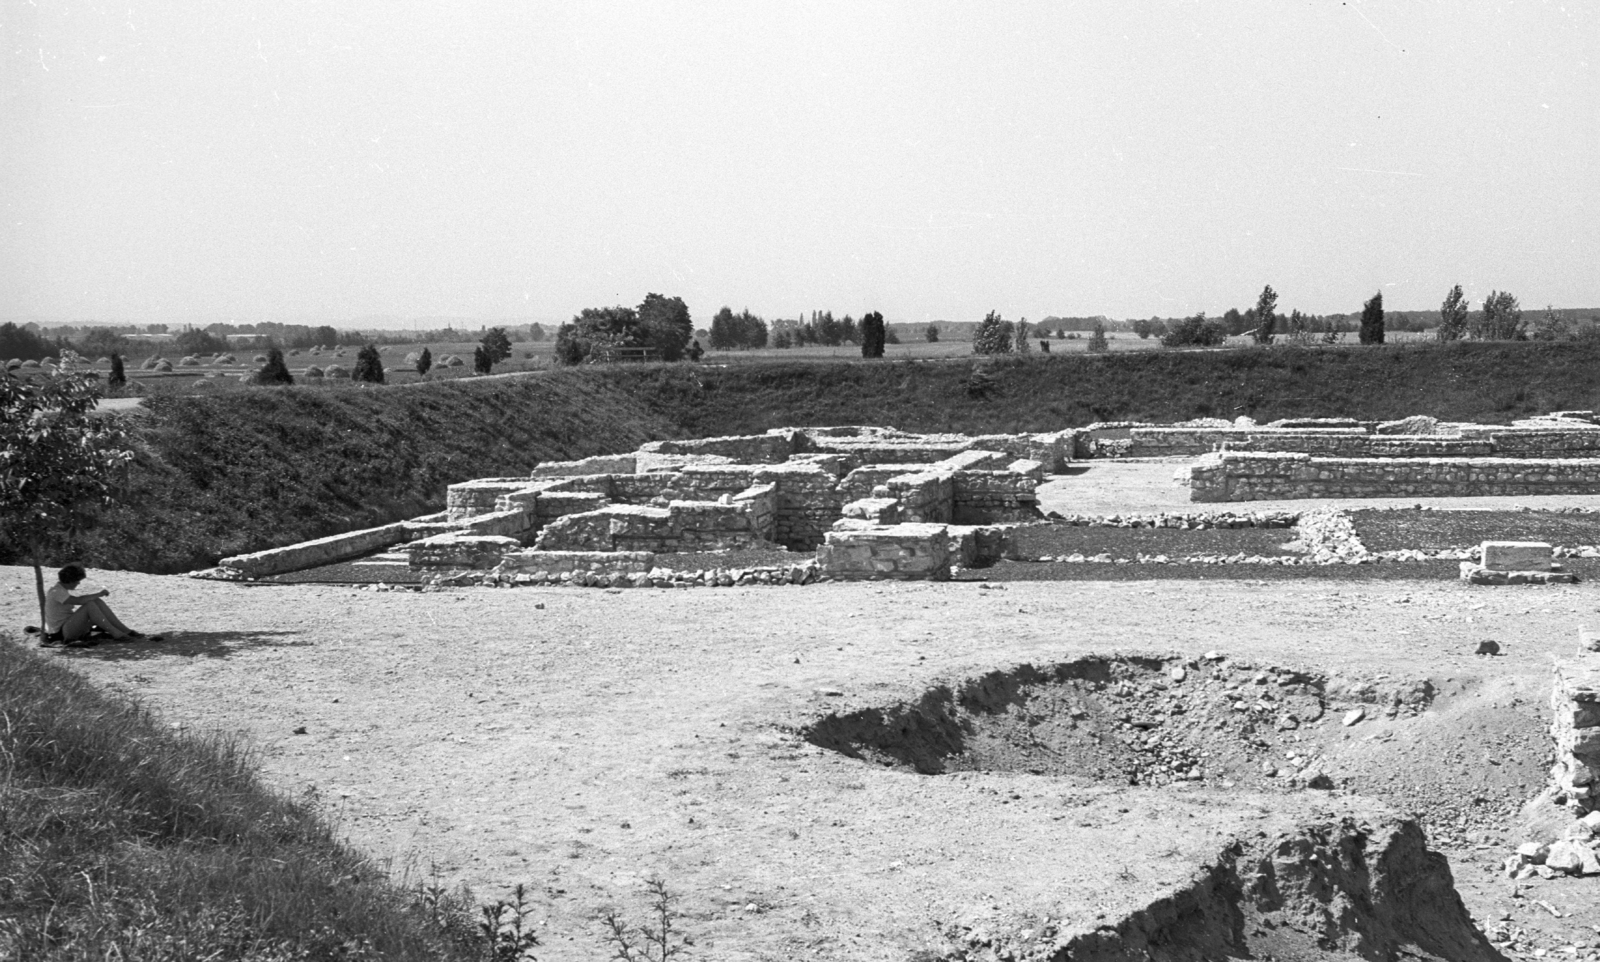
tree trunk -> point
(38, 586)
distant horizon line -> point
(434, 322)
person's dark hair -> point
(72, 573)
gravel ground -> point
(580, 740)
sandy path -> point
(581, 746)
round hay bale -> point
(340, 353)
(201, 383)
(151, 362)
(455, 362)
(50, 362)
(413, 357)
(163, 365)
(103, 360)
(335, 370)
(223, 359)
(294, 352)
(13, 364)
(313, 372)
(259, 359)
(29, 363)
(190, 361)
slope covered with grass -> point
(122, 839)
(250, 469)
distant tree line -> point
(658, 329)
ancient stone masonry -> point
(1233, 476)
(871, 488)
(1575, 702)
(1414, 437)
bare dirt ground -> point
(581, 740)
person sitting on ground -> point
(69, 618)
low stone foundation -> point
(1575, 703)
(1232, 476)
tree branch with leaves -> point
(58, 462)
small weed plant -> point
(506, 931)
(657, 940)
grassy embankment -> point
(122, 839)
(267, 466)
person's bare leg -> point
(100, 613)
(77, 624)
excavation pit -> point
(1201, 722)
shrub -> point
(1195, 331)
(931, 334)
(873, 335)
(1372, 320)
(274, 371)
(993, 335)
(369, 366)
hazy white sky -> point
(293, 160)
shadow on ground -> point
(188, 644)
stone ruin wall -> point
(906, 506)
(1576, 440)
(1232, 476)
(1575, 700)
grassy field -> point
(209, 377)
(255, 467)
(121, 838)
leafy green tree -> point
(1453, 314)
(424, 361)
(58, 462)
(724, 330)
(369, 365)
(1195, 331)
(1501, 319)
(1097, 340)
(1266, 315)
(1142, 328)
(102, 341)
(872, 335)
(993, 335)
(496, 345)
(1019, 337)
(849, 333)
(276, 372)
(665, 325)
(932, 334)
(22, 343)
(1551, 326)
(570, 347)
(1372, 320)
(196, 341)
(119, 375)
